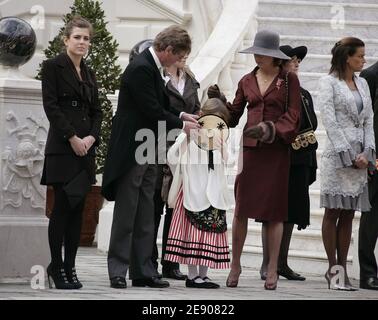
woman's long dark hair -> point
(343, 49)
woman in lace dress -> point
(347, 115)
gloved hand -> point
(214, 92)
(255, 132)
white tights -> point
(194, 272)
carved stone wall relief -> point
(22, 162)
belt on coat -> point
(72, 104)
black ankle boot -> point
(72, 277)
(59, 278)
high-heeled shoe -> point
(328, 278)
(271, 286)
(59, 278)
(233, 278)
(72, 277)
(347, 287)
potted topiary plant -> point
(102, 59)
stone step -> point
(316, 213)
(316, 184)
(315, 9)
(316, 219)
(314, 199)
(318, 27)
(322, 63)
(324, 45)
(319, 152)
(309, 239)
(350, 1)
(319, 118)
(310, 81)
(306, 262)
(321, 136)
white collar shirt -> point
(157, 62)
(161, 70)
(178, 84)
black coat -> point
(187, 102)
(303, 167)
(71, 110)
(142, 102)
(304, 156)
(371, 76)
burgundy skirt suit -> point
(261, 187)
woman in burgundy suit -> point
(272, 98)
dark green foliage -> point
(102, 59)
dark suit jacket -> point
(142, 102)
(371, 76)
(65, 109)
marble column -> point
(23, 132)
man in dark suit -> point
(368, 232)
(130, 169)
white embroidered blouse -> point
(202, 186)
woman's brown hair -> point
(78, 22)
(217, 107)
(343, 49)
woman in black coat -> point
(182, 87)
(303, 167)
(70, 101)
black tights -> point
(64, 225)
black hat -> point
(300, 52)
(139, 48)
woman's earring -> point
(88, 52)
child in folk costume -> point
(200, 197)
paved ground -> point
(92, 271)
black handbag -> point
(306, 139)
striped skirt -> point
(188, 245)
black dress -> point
(303, 167)
(77, 103)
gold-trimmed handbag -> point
(305, 138)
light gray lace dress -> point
(348, 121)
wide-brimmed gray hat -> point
(266, 43)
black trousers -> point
(159, 209)
(64, 226)
(368, 234)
